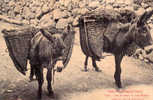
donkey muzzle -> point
(59, 66)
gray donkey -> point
(117, 39)
(46, 50)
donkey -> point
(135, 32)
(45, 52)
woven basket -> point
(18, 44)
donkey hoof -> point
(51, 94)
(98, 70)
(118, 84)
(31, 79)
(85, 70)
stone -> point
(144, 5)
(6, 1)
(140, 11)
(37, 3)
(66, 14)
(76, 1)
(62, 2)
(129, 8)
(138, 2)
(70, 19)
(34, 9)
(128, 2)
(62, 23)
(57, 5)
(51, 3)
(18, 17)
(120, 1)
(34, 22)
(82, 11)
(47, 21)
(149, 48)
(109, 7)
(82, 4)
(146, 60)
(141, 57)
(75, 11)
(136, 7)
(100, 7)
(67, 2)
(150, 57)
(108, 1)
(94, 4)
(2, 91)
(138, 51)
(19, 98)
(45, 8)
(11, 3)
(149, 9)
(9, 91)
(27, 13)
(116, 5)
(12, 86)
(57, 14)
(17, 9)
(70, 7)
(25, 21)
(11, 13)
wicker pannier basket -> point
(18, 44)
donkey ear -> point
(144, 17)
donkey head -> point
(59, 39)
(58, 44)
(141, 31)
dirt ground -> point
(74, 84)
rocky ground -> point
(44, 12)
(73, 83)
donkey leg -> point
(95, 65)
(32, 72)
(85, 64)
(39, 73)
(117, 75)
(49, 79)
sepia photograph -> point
(76, 50)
